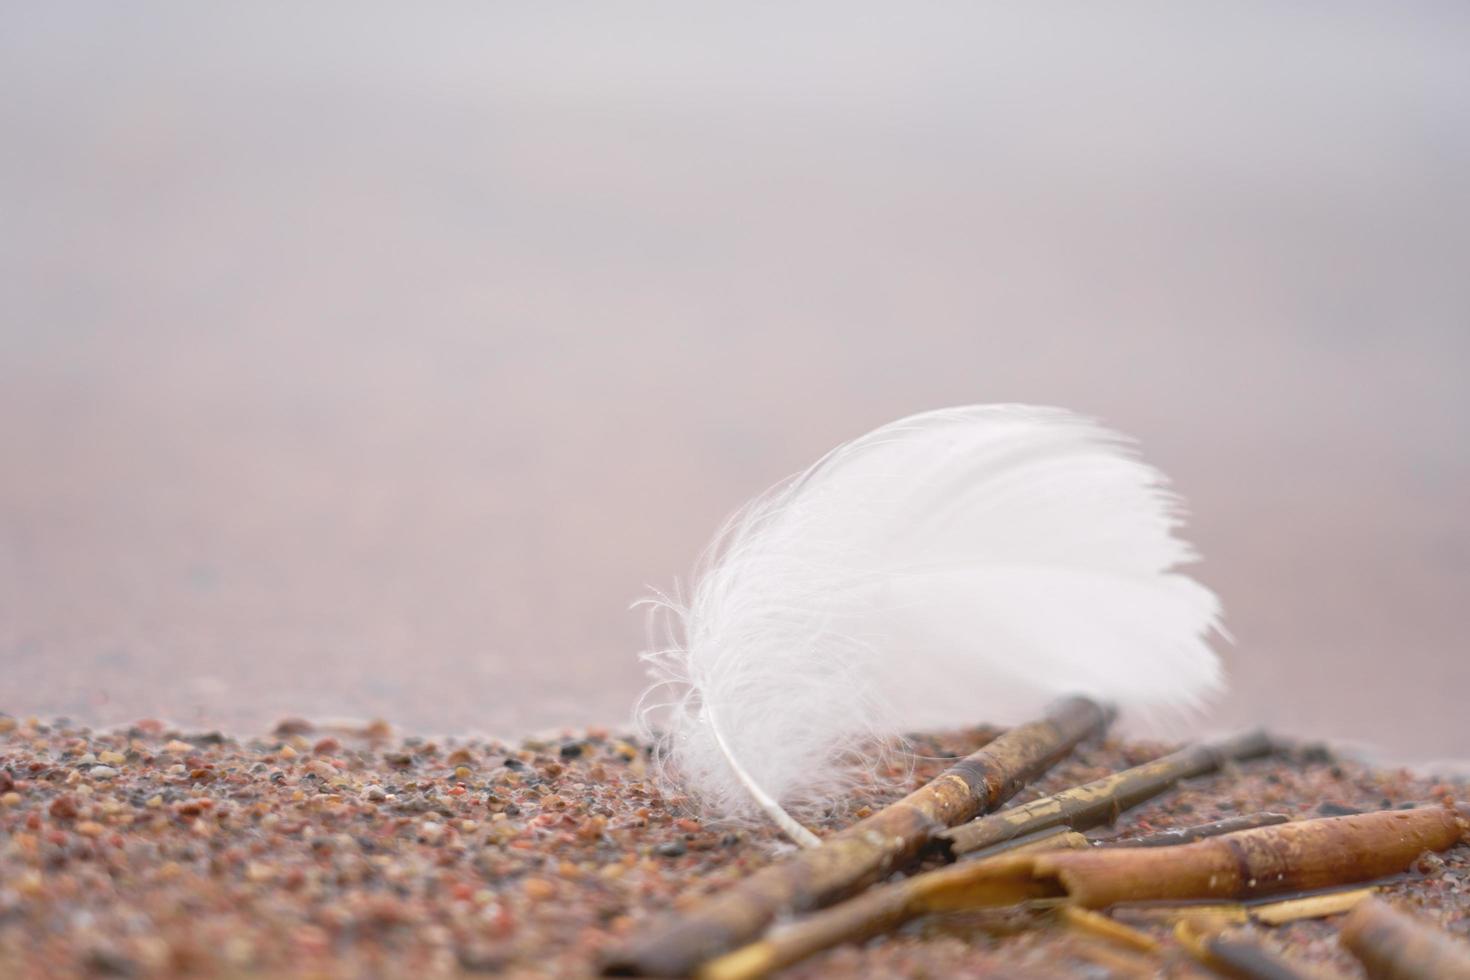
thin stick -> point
(1048, 839)
(1277, 913)
(1101, 801)
(865, 852)
(1188, 835)
(1235, 956)
(1100, 925)
(1310, 907)
(1391, 944)
(1294, 856)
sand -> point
(147, 851)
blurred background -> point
(362, 363)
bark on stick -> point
(1288, 857)
(1100, 802)
(865, 852)
(1395, 946)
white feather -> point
(960, 566)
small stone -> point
(377, 730)
(111, 758)
(293, 726)
(327, 746)
(11, 798)
(672, 849)
(91, 828)
(539, 889)
(571, 750)
(109, 962)
(481, 958)
(102, 772)
(64, 807)
(176, 747)
(376, 794)
(286, 752)
(1330, 809)
(462, 772)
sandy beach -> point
(330, 852)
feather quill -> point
(955, 566)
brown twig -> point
(1293, 856)
(1391, 944)
(1100, 801)
(865, 852)
(1267, 913)
(1237, 956)
(1188, 835)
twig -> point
(1101, 801)
(1235, 956)
(1049, 839)
(865, 852)
(1266, 913)
(1100, 925)
(1293, 856)
(1310, 907)
(1188, 835)
(1391, 944)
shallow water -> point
(375, 375)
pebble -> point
(539, 889)
(1330, 809)
(214, 856)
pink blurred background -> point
(357, 363)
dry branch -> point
(1301, 856)
(1049, 839)
(1393, 945)
(1238, 956)
(865, 852)
(1103, 927)
(1309, 907)
(1188, 835)
(1099, 802)
(1315, 906)
(1288, 857)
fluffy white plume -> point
(961, 566)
